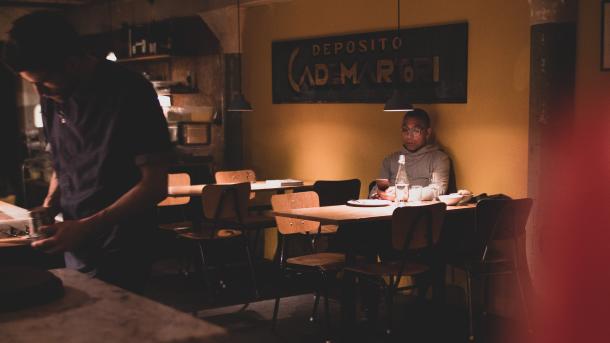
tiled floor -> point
(252, 323)
(412, 322)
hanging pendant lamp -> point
(238, 102)
(398, 102)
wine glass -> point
(435, 189)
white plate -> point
(369, 202)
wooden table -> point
(94, 311)
(258, 186)
(348, 217)
(344, 214)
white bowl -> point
(450, 199)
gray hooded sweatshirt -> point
(428, 165)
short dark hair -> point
(41, 41)
(418, 114)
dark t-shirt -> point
(111, 125)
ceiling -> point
(44, 3)
(74, 3)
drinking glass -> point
(435, 190)
(402, 194)
(415, 193)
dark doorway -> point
(11, 145)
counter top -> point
(93, 311)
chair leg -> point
(348, 298)
(469, 298)
(204, 271)
(390, 305)
(252, 273)
(257, 236)
(326, 305)
(485, 284)
(523, 300)
(185, 259)
(520, 284)
(316, 301)
(276, 308)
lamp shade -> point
(398, 103)
(239, 104)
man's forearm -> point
(70, 234)
(53, 194)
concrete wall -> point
(592, 84)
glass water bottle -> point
(402, 182)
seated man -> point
(427, 165)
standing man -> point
(427, 165)
(110, 149)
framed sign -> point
(427, 64)
(605, 41)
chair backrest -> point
(289, 201)
(499, 219)
(337, 192)
(235, 176)
(178, 179)
(417, 227)
(228, 201)
(452, 183)
(371, 185)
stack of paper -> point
(285, 182)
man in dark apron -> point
(110, 149)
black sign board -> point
(429, 64)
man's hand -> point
(49, 212)
(388, 194)
(69, 235)
(64, 236)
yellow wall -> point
(487, 137)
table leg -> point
(370, 240)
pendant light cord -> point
(110, 25)
(398, 17)
(396, 77)
(239, 45)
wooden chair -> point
(323, 263)
(176, 203)
(172, 213)
(235, 176)
(225, 209)
(257, 219)
(415, 232)
(496, 220)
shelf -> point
(145, 58)
(178, 91)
